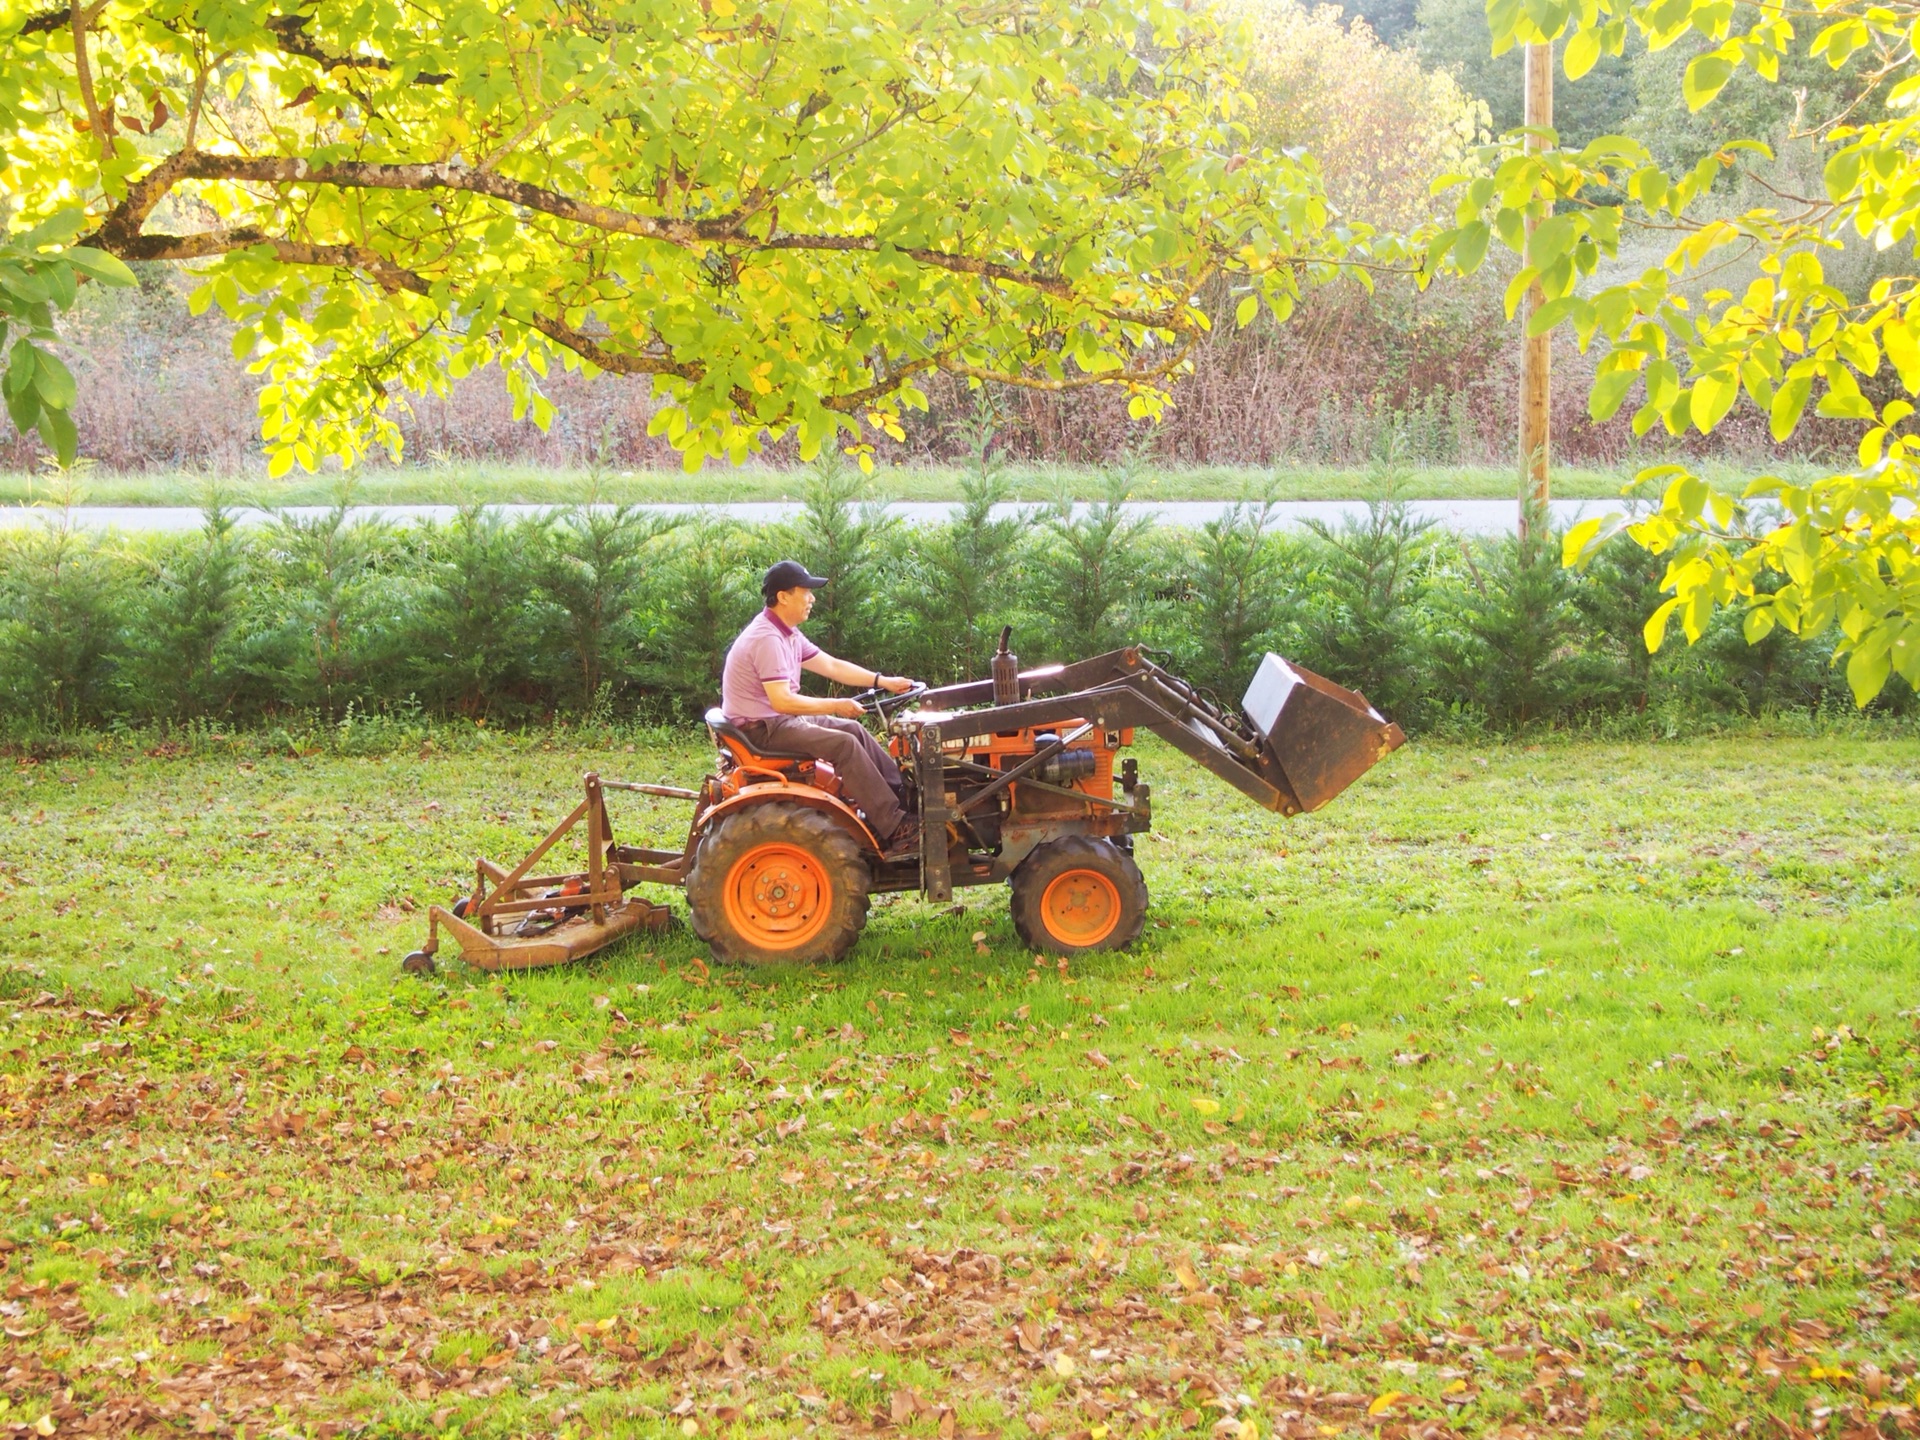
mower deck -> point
(574, 938)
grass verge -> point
(507, 484)
(1560, 1089)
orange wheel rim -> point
(1081, 907)
(778, 897)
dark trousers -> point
(867, 772)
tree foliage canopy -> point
(786, 214)
(1744, 305)
(1380, 126)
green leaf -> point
(1471, 248)
(1517, 287)
(22, 284)
(1706, 77)
(1868, 667)
(1551, 239)
(57, 229)
(20, 367)
(1712, 398)
(1905, 652)
(60, 283)
(1843, 401)
(1552, 313)
(1244, 312)
(54, 382)
(107, 269)
(1789, 402)
(1688, 495)
(1842, 174)
(1649, 186)
(24, 407)
(1610, 392)
(57, 429)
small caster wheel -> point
(418, 963)
(459, 907)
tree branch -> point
(121, 225)
(47, 21)
(290, 31)
(80, 17)
(120, 233)
(1076, 382)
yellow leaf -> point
(1184, 1273)
(1063, 1365)
(1656, 628)
(96, 1179)
(44, 1425)
(1583, 49)
(1384, 1403)
(1574, 547)
(1457, 1387)
(1904, 352)
(1204, 1105)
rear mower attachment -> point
(515, 920)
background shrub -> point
(603, 614)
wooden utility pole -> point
(1536, 355)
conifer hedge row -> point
(623, 614)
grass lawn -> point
(507, 483)
(1562, 1089)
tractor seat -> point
(728, 735)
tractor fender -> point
(794, 794)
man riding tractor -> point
(760, 693)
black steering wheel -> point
(877, 701)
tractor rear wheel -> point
(777, 883)
(1075, 895)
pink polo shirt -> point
(768, 649)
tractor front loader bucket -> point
(1318, 738)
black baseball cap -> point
(789, 575)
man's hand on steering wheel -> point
(888, 692)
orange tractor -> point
(1016, 778)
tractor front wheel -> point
(1075, 895)
(777, 883)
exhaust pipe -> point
(1318, 738)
